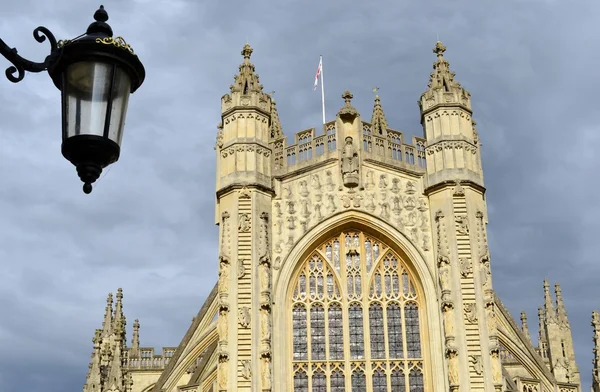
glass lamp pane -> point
(120, 100)
(86, 92)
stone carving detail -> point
(277, 263)
(470, 312)
(241, 271)
(410, 188)
(462, 225)
(225, 237)
(266, 374)
(350, 164)
(244, 193)
(222, 328)
(244, 223)
(490, 314)
(395, 185)
(370, 181)
(244, 316)
(315, 182)
(458, 190)
(329, 181)
(264, 250)
(303, 191)
(496, 367)
(246, 369)
(265, 332)
(476, 362)
(222, 373)
(466, 267)
(452, 356)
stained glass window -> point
(355, 319)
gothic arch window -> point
(356, 319)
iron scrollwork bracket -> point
(20, 65)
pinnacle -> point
(247, 51)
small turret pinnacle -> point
(542, 335)
(246, 81)
(378, 121)
(549, 312)
(135, 341)
(275, 127)
(107, 323)
(561, 311)
(524, 326)
(442, 77)
(119, 318)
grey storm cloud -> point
(149, 224)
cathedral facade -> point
(349, 260)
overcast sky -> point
(149, 226)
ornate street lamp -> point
(95, 74)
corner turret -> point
(452, 150)
(243, 150)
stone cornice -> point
(452, 183)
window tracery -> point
(355, 320)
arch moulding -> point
(377, 228)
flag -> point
(318, 73)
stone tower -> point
(455, 190)
(244, 193)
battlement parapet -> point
(310, 149)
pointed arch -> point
(422, 284)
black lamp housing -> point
(95, 73)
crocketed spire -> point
(378, 121)
(524, 326)
(549, 312)
(275, 128)
(246, 81)
(561, 311)
(442, 77)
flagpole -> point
(322, 89)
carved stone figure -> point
(287, 193)
(266, 374)
(291, 222)
(462, 225)
(370, 205)
(458, 190)
(278, 226)
(244, 317)
(395, 185)
(291, 209)
(383, 181)
(448, 311)
(246, 369)
(315, 182)
(444, 270)
(241, 269)
(370, 182)
(410, 188)
(452, 367)
(350, 164)
(222, 325)
(224, 251)
(304, 212)
(278, 209)
(329, 181)
(476, 362)
(265, 278)
(397, 208)
(222, 373)
(496, 367)
(385, 211)
(303, 188)
(470, 312)
(331, 207)
(223, 277)
(244, 223)
(318, 215)
(265, 325)
(491, 318)
(465, 267)
(410, 203)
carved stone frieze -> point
(466, 268)
(307, 200)
(475, 360)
